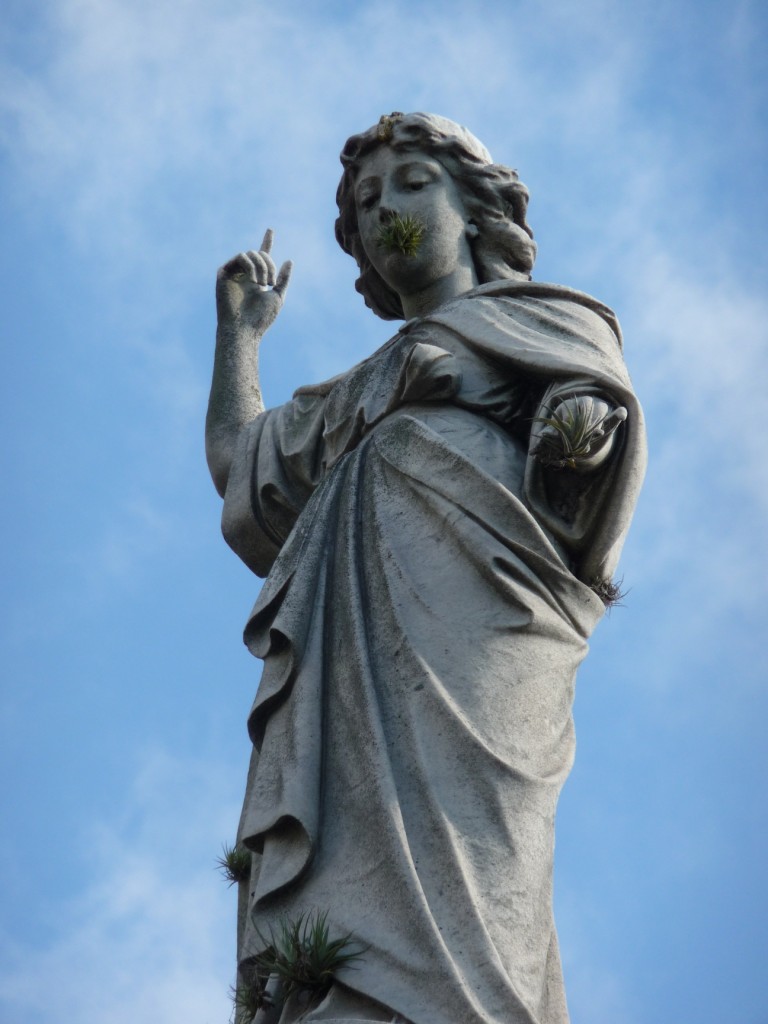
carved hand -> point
(249, 290)
(249, 295)
(578, 434)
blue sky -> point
(145, 142)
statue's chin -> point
(401, 271)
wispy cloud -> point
(596, 995)
(150, 935)
(122, 104)
(700, 349)
(136, 535)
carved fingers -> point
(613, 420)
(280, 281)
(250, 286)
(258, 267)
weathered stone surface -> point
(435, 526)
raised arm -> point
(249, 295)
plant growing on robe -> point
(250, 997)
(575, 429)
(234, 864)
(610, 592)
(303, 956)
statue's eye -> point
(369, 200)
(416, 186)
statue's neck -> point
(436, 294)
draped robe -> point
(427, 604)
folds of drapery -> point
(421, 626)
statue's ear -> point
(472, 230)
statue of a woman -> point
(438, 527)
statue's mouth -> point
(401, 234)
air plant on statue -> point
(401, 234)
(609, 591)
(303, 957)
(576, 428)
(250, 997)
(234, 863)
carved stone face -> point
(413, 184)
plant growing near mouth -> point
(401, 234)
(234, 863)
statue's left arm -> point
(587, 450)
(586, 464)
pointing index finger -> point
(266, 245)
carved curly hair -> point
(495, 199)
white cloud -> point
(700, 350)
(150, 936)
(135, 92)
(595, 995)
(135, 534)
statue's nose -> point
(386, 214)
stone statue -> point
(439, 528)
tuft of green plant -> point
(575, 429)
(234, 863)
(248, 1000)
(401, 234)
(610, 592)
(386, 125)
(249, 997)
(303, 956)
